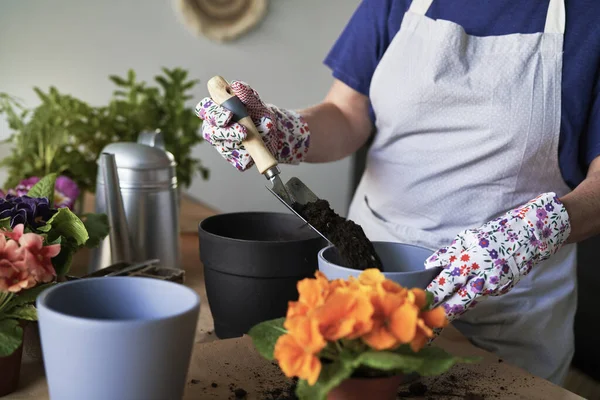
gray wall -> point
(75, 45)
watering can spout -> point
(121, 245)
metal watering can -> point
(136, 187)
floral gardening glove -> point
(490, 260)
(284, 132)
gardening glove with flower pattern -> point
(284, 132)
(490, 260)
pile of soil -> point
(353, 246)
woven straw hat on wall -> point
(221, 20)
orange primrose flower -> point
(297, 351)
(345, 314)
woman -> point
(484, 111)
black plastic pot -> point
(252, 263)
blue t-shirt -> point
(367, 35)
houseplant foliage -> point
(369, 327)
(37, 243)
(36, 212)
(65, 135)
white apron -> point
(468, 128)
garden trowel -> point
(292, 194)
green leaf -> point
(65, 223)
(27, 312)
(97, 227)
(27, 296)
(428, 300)
(427, 362)
(62, 262)
(5, 223)
(44, 188)
(11, 336)
(330, 377)
(265, 334)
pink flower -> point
(39, 257)
(13, 273)
(24, 260)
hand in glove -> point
(490, 260)
(284, 132)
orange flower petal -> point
(403, 322)
(418, 342)
(420, 297)
(294, 361)
(312, 292)
(371, 277)
(435, 318)
(342, 312)
(392, 287)
(306, 332)
(295, 308)
(422, 327)
(380, 338)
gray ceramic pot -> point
(402, 263)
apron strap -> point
(420, 6)
(555, 19)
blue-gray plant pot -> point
(402, 263)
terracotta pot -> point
(11, 370)
(367, 388)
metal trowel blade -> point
(294, 193)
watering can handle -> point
(152, 139)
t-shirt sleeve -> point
(356, 53)
(592, 136)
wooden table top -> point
(219, 367)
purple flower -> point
(66, 192)
(285, 151)
(26, 210)
(533, 240)
(512, 236)
(455, 272)
(457, 308)
(539, 224)
(549, 207)
(477, 285)
(541, 213)
(547, 232)
(493, 254)
(503, 222)
(442, 250)
(484, 243)
(447, 308)
(494, 280)
(503, 264)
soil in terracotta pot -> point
(355, 249)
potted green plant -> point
(355, 338)
(65, 135)
(37, 244)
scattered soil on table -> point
(286, 393)
(240, 393)
(194, 381)
(464, 384)
(355, 249)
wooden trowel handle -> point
(222, 94)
